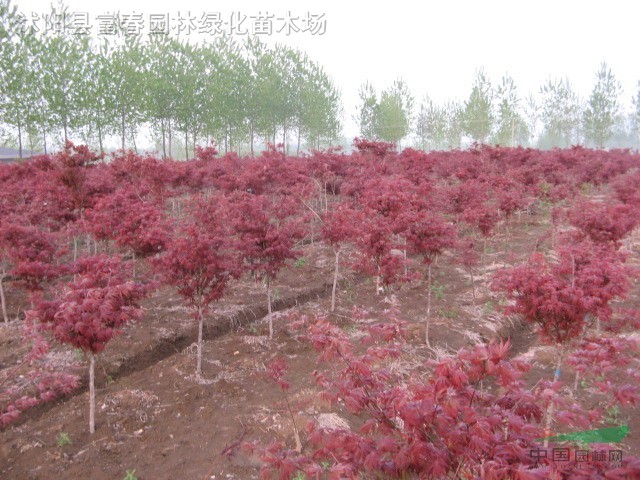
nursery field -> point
(374, 315)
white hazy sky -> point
(437, 46)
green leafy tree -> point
(367, 111)
(161, 94)
(478, 116)
(603, 108)
(635, 114)
(233, 83)
(393, 115)
(320, 107)
(190, 89)
(455, 121)
(64, 80)
(560, 113)
(126, 62)
(511, 127)
(431, 125)
(19, 88)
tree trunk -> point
(100, 138)
(269, 307)
(473, 286)
(19, 137)
(92, 393)
(484, 263)
(169, 132)
(164, 139)
(551, 409)
(335, 279)
(3, 301)
(199, 355)
(123, 129)
(298, 147)
(284, 142)
(186, 144)
(426, 337)
(44, 135)
(251, 134)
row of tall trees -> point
(499, 114)
(60, 87)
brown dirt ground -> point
(153, 415)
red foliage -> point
(604, 222)
(599, 271)
(544, 298)
(375, 149)
(440, 426)
(73, 163)
(94, 307)
(267, 231)
(33, 254)
(200, 260)
(207, 153)
(428, 234)
(134, 224)
(483, 217)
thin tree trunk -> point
(123, 129)
(65, 128)
(164, 139)
(296, 434)
(473, 286)
(326, 203)
(3, 301)
(100, 138)
(170, 142)
(551, 409)
(31, 143)
(44, 135)
(426, 337)
(251, 135)
(200, 328)
(335, 279)
(576, 380)
(298, 147)
(19, 137)
(269, 307)
(484, 263)
(284, 141)
(92, 393)
(186, 145)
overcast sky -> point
(436, 46)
